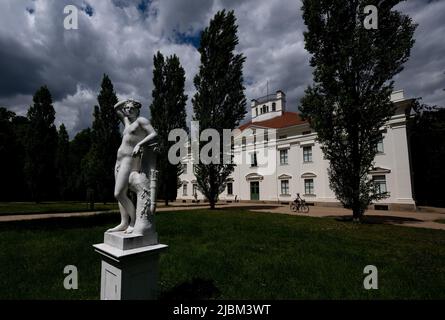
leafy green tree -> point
(426, 132)
(79, 148)
(168, 113)
(350, 99)
(9, 158)
(220, 102)
(20, 126)
(62, 162)
(100, 162)
(41, 146)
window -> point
(253, 160)
(184, 168)
(256, 112)
(266, 137)
(380, 183)
(307, 154)
(264, 109)
(285, 187)
(283, 157)
(244, 143)
(306, 132)
(309, 186)
(230, 188)
(274, 106)
(184, 189)
(195, 189)
(379, 147)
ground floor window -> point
(184, 189)
(380, 183)
(308, 186)
(195, 189)
(285, 187)
(230, 188)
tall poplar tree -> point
(220, 102)
(62, 162)
(10, 158)
(168, 113)
(350, 99)
(100, 162)
(41, 146)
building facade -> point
(277, 156)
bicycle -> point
(299, 205)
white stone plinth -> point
(128, 272)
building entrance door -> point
(255, 190)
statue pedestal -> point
(129, 266)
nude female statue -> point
(138, 133)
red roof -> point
(287, 119)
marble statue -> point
(135, 171)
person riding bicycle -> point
(298, 201)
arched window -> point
(274, 106)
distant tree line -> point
(41, 163)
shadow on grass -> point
(370, 219)
(197, 289)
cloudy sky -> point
(119, 38)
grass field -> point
(233, 254)
(11, 208)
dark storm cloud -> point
(119, 37)
(20, 69)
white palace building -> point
(295, 162)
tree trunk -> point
(356, 214)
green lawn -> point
(233, 254)
(10, 208)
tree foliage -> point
(350, 99)
(220, 102)
(41, 146)
(426, 137)
(168, 113)
(99, 164)
(62, 162)
(11, 162)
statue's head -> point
(130, 108)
